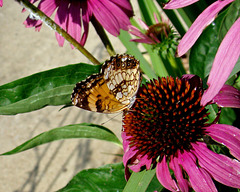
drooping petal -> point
(227, 55)
(222, 168)
(86, 15)
(164, 176)
(74, 21)
(175, 4)
(202, 21)
(228, 96)
(198, 177)
(226, 135)
(181, 181)
(61, 20)
(1, 3)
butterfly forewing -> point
(113, 89)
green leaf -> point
(52, 87)
(148, 9)
(228, 116)
(204, 50)
(83, 130)
(108, 178)
(231, 16)
(139, 182)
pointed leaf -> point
(52, 87)
(83, 130)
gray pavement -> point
(50, 166)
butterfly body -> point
(113, 89)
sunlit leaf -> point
(52, 87)
(83, 130)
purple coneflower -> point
(167, 128)
(228, 51)
(1, 3)
(160, 34)
(74, 16)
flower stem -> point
(50, 23)
(100, 31)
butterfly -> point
(113, 89)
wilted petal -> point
(222, 168)
(140, 162)
(175, 4)
(202, 21)
(164, 176)
(226, 135)
(223, 64)
(182, 182)
(194, 80)
(228, 96)
(198, 177)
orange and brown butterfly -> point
(113, 89)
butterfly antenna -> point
(110, 118)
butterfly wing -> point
(113, 89)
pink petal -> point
(105, 17)
(164, 176)
(143, 24)
(110, 16)
(140, 162)
(226, 135)
(135, 31)
(86, 15)
(61, 20)
(125, 6)
(155, 17)
(228, 96)
(1, 3)
(198, 177)
(182, 183)
(143, 38)
(203, 20)
(74, 21)
(175, 4)
(226, 57)
(222, 168)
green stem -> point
(50, 23)
(100, 31)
